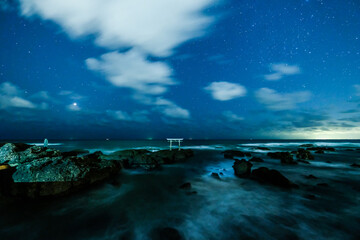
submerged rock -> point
(272, 177)
(311, 177)
(355, 165)
(186, 185)
(166, 233)
(304, 154)
(285, 157)
(230, 154)
(303, 161)
(242, 168)
(262, 148)
(320, 151)
(75, 152)
(215, 175)
(256, 159)
(330, 149)
(307, 145)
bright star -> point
(75, 104)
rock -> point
(230, 154)
(304, 154)
(262, 148)
(215, 175)
(256, 159)
(271, 177)
(320, 151)
(186, 185)
(8, 154)
(355, 165)
(166, 233)
(306, 145)
(311, 177)
(304, 161)
(242, 168)
(174, 156)
(310, 196)
(191, 193)
(74, 152)
(330, 149)
(285, 157)
(328, 161)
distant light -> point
(75, 104)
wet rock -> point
(74, 152)
(320, 151)
(230, 154)
(8, 154)
(242, 168)
(310, 177)
(304, 154)
(174, 156)
(256, 159)
(328, 161)
(322, 185)
(191, 193)
(285, 157)
(355, 165)
(310, 196)
(215, 175)
(262, 148)
(186, 185)
(330, 149)
(306, 145)
(166, 233)
(271, 177)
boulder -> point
(355, 165)
(256, 159)
(172, 156)
(242, 168)
(215, 175)
(262, 148)
(320, 151)
(186, 185)
(230, 154)
(285, 157)
(271, 177)
(304, 154)
(8, 154)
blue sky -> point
(167, 68)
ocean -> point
(230, 208)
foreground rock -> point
(285, 157)
(271, 177)
(166, 233)
(304, 154)
(230, 154)
(242, 168)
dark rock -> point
(311, 177)
(191, 193)
(330, 149)
(74, 152)
(304, 161)
(304, 154)
(256, 159)
(166, 233)
(328, 161)
(271, 177)
(215, 175)
(186, 185)
(242, 168)
(322, 185)
(355, 165)
(262, 148)
(230, 154)
(307, 145)
(320, 151)
(174, 156)
(221, 173)
(285, 157)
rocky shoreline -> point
(38, 172)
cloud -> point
(138, 116)
(73, 107)
(132, 70)
(11, 97)
(224, 91)
(277, 101)
(357, 89)
(232, 117)
(281, 70)
(156, 27)
(170, 109)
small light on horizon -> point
(75, 104)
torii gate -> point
(179, 140)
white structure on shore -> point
(179, 140)
(46, 142)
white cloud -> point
(73, 107)
(232, 117)
(280, 70)
(170, 109)
(138, 116)
(156, 27)
(132, 70)
(224, 91)
(72, 95)
(277, 101)
(357, 89)
(11, 96)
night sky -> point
(136, 69)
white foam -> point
(42, 144)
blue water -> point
(230, 208)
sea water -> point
(229, 208)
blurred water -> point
(230, 208)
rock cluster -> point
(285, 157)
(230, 154)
